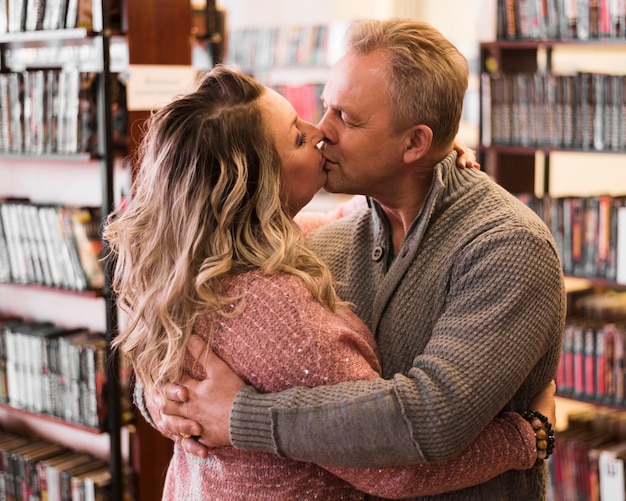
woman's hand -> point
(199, 411)
(545, 403)
(466, 156)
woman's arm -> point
(508, 443)
(310, 220)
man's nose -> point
(326, 129)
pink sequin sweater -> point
(285, 338)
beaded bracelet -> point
(543, 433)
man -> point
(459, 281)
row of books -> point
(255, 49)
(50, 245)
(588, 460)
(593, 362)
(584, 111)
(32, 15)
(590, 233)
(561, 19)
(49, 111)
(51, 370)
(35, 469)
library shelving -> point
(553, 127)
(553, 131)
(294, 59)
(66, 151)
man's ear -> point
(419, 140)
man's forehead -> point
(343, 86)
(353, 87)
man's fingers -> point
(198, 349)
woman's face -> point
(296, 141)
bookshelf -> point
(552, 131)
(552, 124)
(94, 173)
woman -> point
(208, 247)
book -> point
(8, 443)
(511, 17)
(614, 112)
(58, 253)
(69, 352)
(34, 15)
(16, 117)
(92, 375)
(13, 465)
(621, 245)
(71, 14)
(86, 223)
(612, 478)
(66, 227)
(5, 259)
(36, 265)
(582, 20)
(4, 16)
(67, 475)
(16, 15)
(5, 112)
(594, 19)
(604, 19)
(86, 112)
(35, 99)
(25, 352)
(79, 482)
(567, 94)
(51, 112)
(54, 469)
(600, 115)
(54, 14)
(26, 482)
(50, 472)
(97, 486)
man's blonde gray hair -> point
(427, 77)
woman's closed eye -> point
(302, 138)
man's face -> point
(362, 155)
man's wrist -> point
(251, 425)
(544, 434)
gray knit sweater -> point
(468, 319)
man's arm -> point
(372, 416)
(482, 460)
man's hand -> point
(207, 403)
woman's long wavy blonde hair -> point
(205, 206)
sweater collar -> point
(381, 229)
(441, 177)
